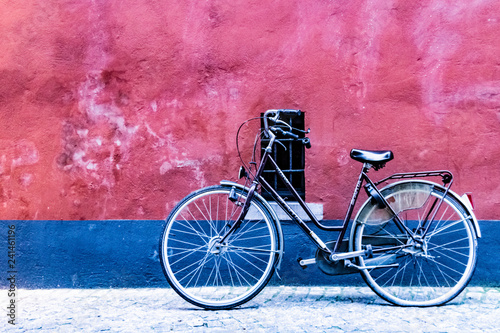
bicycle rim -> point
(210, 273)
(424, 271)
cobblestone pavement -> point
(276, 309)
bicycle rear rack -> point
(446, 176)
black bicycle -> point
(414, 241)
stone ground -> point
(276, 309)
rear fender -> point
(464, 199)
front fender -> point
(265, 204)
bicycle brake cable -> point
(248, 168)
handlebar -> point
(285, 133)
(290, 112)
(276, 115)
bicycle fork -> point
(246, 204)
(235, 198)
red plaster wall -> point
(116, 109)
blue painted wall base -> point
(124, 254)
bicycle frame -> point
(362, 179)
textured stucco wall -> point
(117, 109)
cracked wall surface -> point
(118, 109)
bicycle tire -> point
(215, 275)
(428, 272)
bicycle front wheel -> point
(425, 269)
(206, 270)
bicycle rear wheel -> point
(424, 270)
(209, 272)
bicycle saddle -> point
(375, 157)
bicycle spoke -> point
(229, 271)
(450, 232)
(195, 263)
(201, 235)
(208, 220)
(251, 255)
(445, 266)
(237, 271)
(421, 274)
(251, 263)
(441, 220)
(198, 272)
(434, 232)
(453, 259)
(218, 276)
(453, 242)
(445, 276)
(395, 275)
(191, 252)
(243, 231)
(393, 236)
(255, 249)
(254, 237)
(451, 249)
(184, 242)
(185, 250)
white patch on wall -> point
(26, 179)
(343, 157)
(94, 140)
(154, 106)
(26, 154)
(195, 166)
(15, 154)
(14, 157)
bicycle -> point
(413, 241)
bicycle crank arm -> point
(349, 255)
(305, 262)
